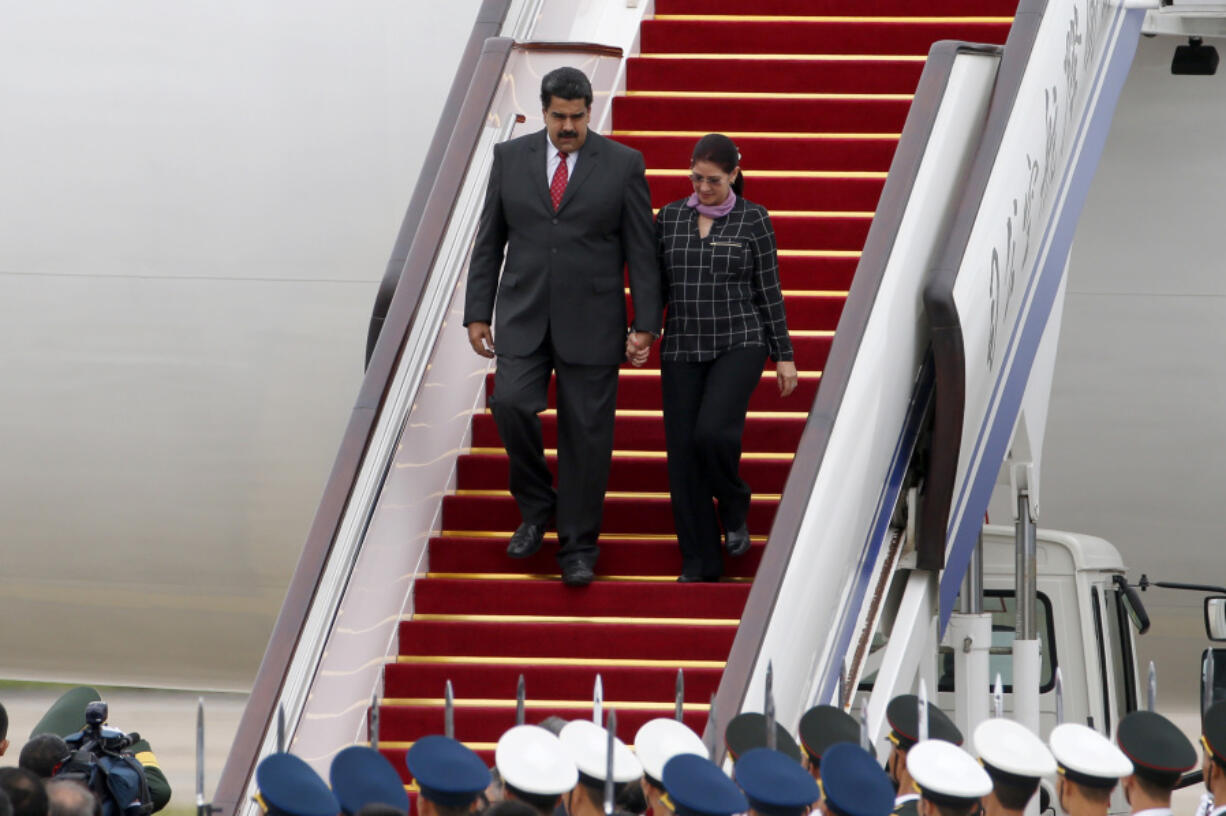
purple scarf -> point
(718, 211)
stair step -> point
(640, 388)
(862, 8)
(569, 643)
(863, 36)
(603, 599)
(647, 433)
(783, 193)
(663, 150)
(647, 514)
(489, 471)
(731, 114)
(753, 75)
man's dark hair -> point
(566, 83)
(4, 723)
(511, 807)
(631, 799)
(722, 152)
(955, 810)
(68, 798)
(595, 793)
(25, 790)
(1012, 791)
(42, 753)
(6, 807)
(539, 802)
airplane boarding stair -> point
(815, 106)
(822, 105)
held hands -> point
(481, 339)
(638, 346)
(785, 373)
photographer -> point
(67, 716)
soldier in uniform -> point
(821, 727)
(854, 784)
(67, 716)
(289, 787)
(360, 776)
(696, 786)
(1015, 759)
(535, 768)
(1160, 754)
(949, 780)
(1090, 766)
(774, 783)
(657, 742)
(748, 731)
(450, 776)
(1213, 741)
(587, 744)
(903, 716)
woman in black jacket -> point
(725, 316)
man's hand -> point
(638, 346)
(481, 339)
(785, 373)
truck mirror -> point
(1212, 678)
(1215, 618)
(1132, 602)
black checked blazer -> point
(722, 292)
(564, 270)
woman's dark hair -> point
(720, 151)
(565, 83)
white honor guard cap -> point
(587, 742)
(947, 775)
(1087, 757)
(660, 740)
(1008, 746)
(533, 760)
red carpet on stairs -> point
(815, 100)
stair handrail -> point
(361, 462)
(811, 451)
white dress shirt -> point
(551, 162)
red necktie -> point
(558, 185)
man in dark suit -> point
(568, 209)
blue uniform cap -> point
(289, 787)
(696, 786)
(361, 775)
(774, 783)
(447, 772)
(854, 783)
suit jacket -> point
(564, 269)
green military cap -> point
(903, 716)
(748, 731)
(826, 725)
(1158, 749)
(67, 714)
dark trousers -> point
(704, 416)
(586, 400)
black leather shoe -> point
(736, 542)
(690, 579)
(526, 540)
(577, 575)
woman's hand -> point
(785, 373)
(638, 346)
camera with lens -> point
(95, 736)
